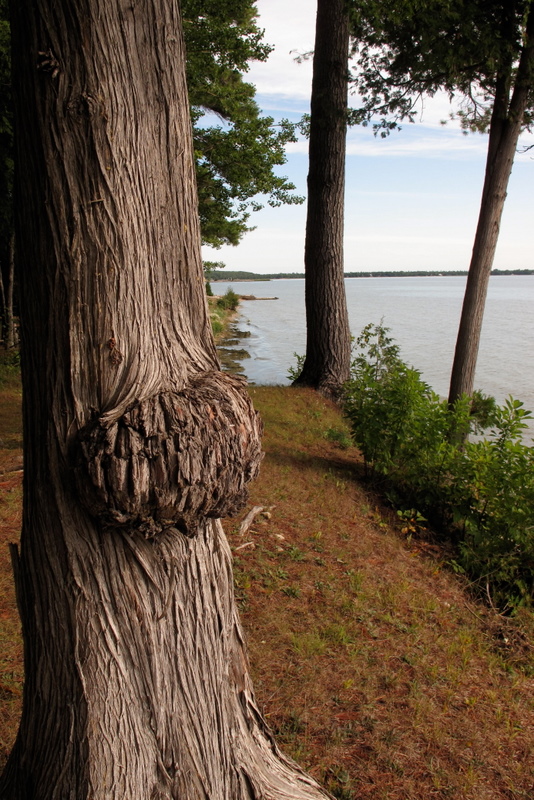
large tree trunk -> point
(327, 363)
(135, 444)
(505, 127)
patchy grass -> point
(371, 662)
(375, 668)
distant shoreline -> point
(232, 275)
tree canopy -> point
(403, 51)
(235, 158)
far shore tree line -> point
(215, 273)
(135, 443)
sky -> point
(411, 201)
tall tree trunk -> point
(327, 363)
(505, 128)
(135, 444)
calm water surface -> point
(423, 315)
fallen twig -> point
(249, 519)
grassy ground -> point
(373, 665)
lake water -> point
(423, 315)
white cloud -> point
(290, 26)
(418, 141)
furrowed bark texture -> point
(327, 363)
(505, 127)
(136, 676)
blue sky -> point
(412, 200)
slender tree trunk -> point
(327, 362)
(505, 128)
(135, 444)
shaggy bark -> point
(136, 676)
(327, 363)
(505, 128)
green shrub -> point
(229, 301)
(216, 326)
(480, 491)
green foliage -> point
(403, 51)
(235, 158)
(480, 490)
(216, 325)
(229, 301)
(294, 370)
(498, 509)
(211, 267)
(339, 437)
(388, 404)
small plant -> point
(294, 371)
(412, 521)
(291, 591)
(295, 553)
(339, 437)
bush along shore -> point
(222, 310)
(464, 468)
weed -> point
(337, 634)
(292, 591)
(308, 644)
(295, 553)
(337, 780)
(339, 437)
(355, 580)
(294, 370)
